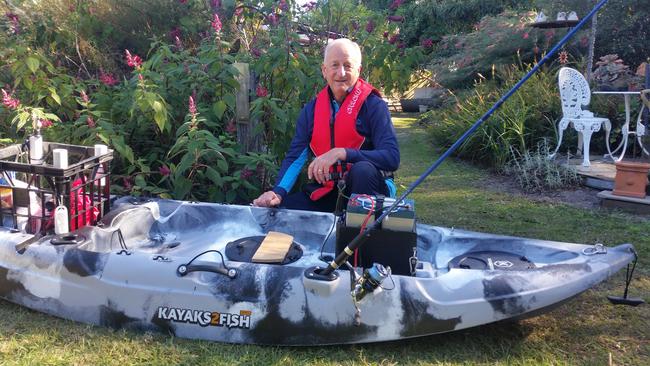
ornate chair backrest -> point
(574, 92)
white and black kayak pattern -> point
(463, 279)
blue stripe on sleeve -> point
(392, 190)
(292, 173)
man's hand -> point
(267, 199)
(320, 167)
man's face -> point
(341, 70)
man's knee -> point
(364, 177)
(362, 170)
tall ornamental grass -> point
(522, 121)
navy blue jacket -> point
(373, 123)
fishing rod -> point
(342, 257)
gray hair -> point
(352, 46)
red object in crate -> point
(83, 186)
(78, 203)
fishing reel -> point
(369, 281)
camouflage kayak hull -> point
(134, 283)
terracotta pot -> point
(631, 179)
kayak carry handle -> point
(184, 269)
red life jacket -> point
(345, 133)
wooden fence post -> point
(245, 124)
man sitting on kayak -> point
(349, 131)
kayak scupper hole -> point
(173, 244)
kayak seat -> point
(134, 223)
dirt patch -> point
(580, 197)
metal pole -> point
(360, 239)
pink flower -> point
(549, 34)
(273, 19)
(164, 170)
(133, 61)
(386, 34)
(261, 91)
(309, 6)
(231, 127)
(175, 32)
(525, 36)
(396, 18)
(393, 38)
(107, 79)
(11, 17)
(370, 26)
(239, 11)
(140, 77)
(395, 4)
(427, 43)
(182, 1)
(283, 5)
(192, 106)
(259, 170)
(14, 26)
(9, 101)
(90, 122)
(45, 123)
(216, 23)
(216, 4)
(126, 182)
(84, 97)
(245, 174)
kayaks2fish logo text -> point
(206, 318)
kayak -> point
(187, 268)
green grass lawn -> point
(585, 331)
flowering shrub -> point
(162, 149)
(434, 19)
(163, 96)
(499, 40)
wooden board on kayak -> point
(274, 248)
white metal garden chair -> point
(640, 127)
(575, 94)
